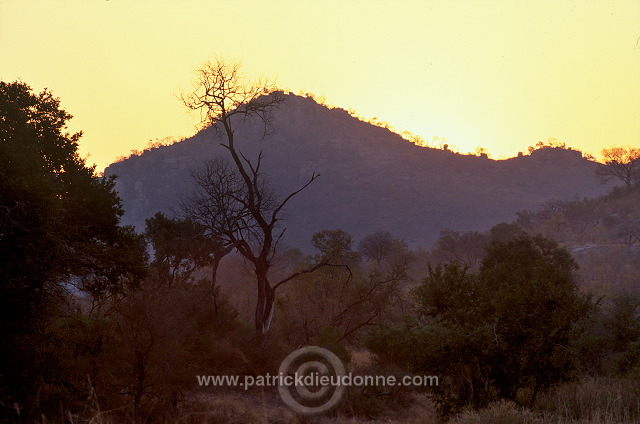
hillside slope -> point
(370, 178)
(602, 233)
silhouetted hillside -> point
(370, 179)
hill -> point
(370, 177)
(602, 233)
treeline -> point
(95, 326)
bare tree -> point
(630, 234)
(233, 199)
(622, 163)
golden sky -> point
(500, 74)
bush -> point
(490, 334)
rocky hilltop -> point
(370, 177)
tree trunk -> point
(215, 263)
(265, 305)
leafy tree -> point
(612, 345)
(551, 143)
(623, 321)
(58, 229)
(506, 327)
(335, 245)
(377, 246)
(504, 231)
(536, 306)
(179, 247)
(622, 163)
(482, 152)
(390, 256)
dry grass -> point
(602, 400)
(227, 410)
(503, 412)
(589, 401)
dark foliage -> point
(489, 334)
(58, 231)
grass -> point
(588, 401)
(602, 400)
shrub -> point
(490, 334)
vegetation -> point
(534, 321)
(495, 332)
(151, 145)
(234, 201)
(59, 233)
(622, 163)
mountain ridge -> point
(370, 177)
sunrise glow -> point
(496, 74)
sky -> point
(498, 74)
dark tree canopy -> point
(377, 246)
(504, 328)
(335, 246)
(180, 247)
(58, 221)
